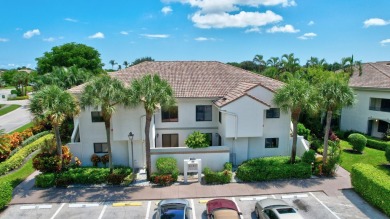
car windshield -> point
(172, 211)
(286, 210)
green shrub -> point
(377, 143)
(167, 165)
(197, 140)
(162, 179)
(309, 156)
(373, 185)
(387, 153)
(303, 131)
(5, 194)
(17, 159)
(228, 166)
(334, 157)
(45, 180)
(270, 168)
(115, 179)
(222, 177)
(358, 141)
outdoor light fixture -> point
(131, 135)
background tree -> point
(295, 96)
(70, 54)
(290, 63)
(126, 64)
(112, 63)
(20, 81)
(274, 62)
(154, 93)
(335, 94)
(107, 93)
(8, 76)
(54, 105)
(259, 61)
(143, 59)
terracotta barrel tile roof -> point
(195, 79)
(374, 75)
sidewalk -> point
(26, 194)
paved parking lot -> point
(310, 205)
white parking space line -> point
(324, 205)
(193, 208)
(295, 196)
(102, 213)
(273, 196)
(58, 211)
(253, 198)
(234, 200)
(44, 206)
(27, 207)
(148, 210)
(83, 205)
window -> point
(271, 142)
(100, 147)
(209, 137)
(383, 126)
(97, 116)
(385, 105)
(203, 113)
(272, 113)
(219, 140)
(169, 114)
(170, 140)
(220, 117)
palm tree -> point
(119, 67)
(126, 64)
(347, 64)
(290, 63)
(107, 93)
(335, 94)
(274, 62)
(154, 93)
(55, 105)
(258, 59)
(112, 63)
(296, 96)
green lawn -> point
(19, 175)
(21, 129)
(8, 87)
(8, 109)
(369, 156)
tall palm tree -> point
(347, 64)
(274, 62)
(295, 96)
(335, 94)
(258, 60)
(126, 64)
(107, 93)
(290, 63)
(55, 105)
(112, 63)
(154, 93)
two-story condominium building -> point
(232, 106)
(371, 113)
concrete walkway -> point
(25, 193)
(16, 118)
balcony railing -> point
(378, 108)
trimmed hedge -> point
(377, 144)
(271, 168)
(84, 176)
(358, 141)
(5, 194)
(17, 159)
(387, 153)
(373, 185)
(222, 177)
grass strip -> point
(8, 109)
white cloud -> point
(375, 22)
(98, 35)
(71, 20)
(50, 39)
(155, 36)
(217, 6)
(307, 36)
(31, 33)
(310, 23)
(11, 65)
(166, 10)
(283, 29)
(18, 29)
(124, 32)
(253, 30)
(385, 42)
(242, 19)
(204, 39)
(4, 40)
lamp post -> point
(131, 136)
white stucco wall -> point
(357, 116)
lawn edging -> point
(373, 185)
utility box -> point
(192, 166)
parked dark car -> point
(275, 209)
(173, 209)
(222, 209)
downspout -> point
(235, 130)
(142, 139)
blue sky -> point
(221, 30)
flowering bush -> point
(163, 179)
(95, 159)
(104, 159)
(77, 162)
(47, 161)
